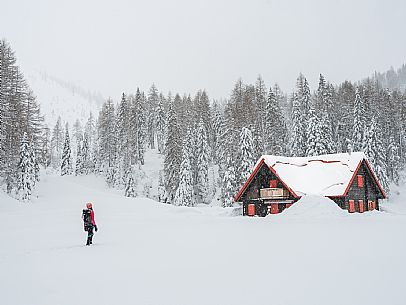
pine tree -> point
(319, 141)
(173, 154)
(359, 122)
(44, 156)
(162, 197)
(229, 183)
(161, 124)
(297, 145)
(137, 128)
(375, 152)
(304, 95)
(300, 114)
(79, 161)
(57, 144)
(217, 130)
(130, 185)
(107, 142)
(323, 105)
(66, 167)
(89, 137)
(153, 101)
(202, 164)
(77, 132)
(247, 160)
(275, 129)
(85, 156)
(343, 111)
(229, 155)
(201, 105)
(393, 161)
(259, 117)
(123, 142)
(184, 193)
(36, 168)
(26, 179)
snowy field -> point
(150, 253)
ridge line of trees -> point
(209, 147)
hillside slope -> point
(61, 98)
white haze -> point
(115, 46)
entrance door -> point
(274, 208)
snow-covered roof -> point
(327, 175)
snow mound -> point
(314, 206)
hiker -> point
(89, 222)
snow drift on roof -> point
(327, 175)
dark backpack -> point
(87, 219)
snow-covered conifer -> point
(247, 159)
(66, 167)
(375, 152)
(359, 125)
(162, 197)
(130, 185)
(36, 168)
(26, 179)
(275, 129)
(318, 137)
(202, 164)
(173, 154)
(152, 105)
(393, 161)
(161, 124)
(297, 138)
(229, 183)
(57, 144)
(184, 195)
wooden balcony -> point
(273, 193)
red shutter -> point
(360, 180)
(351, 206)
(273, 183)
(251, 209)
(361, 206)
(274, 208)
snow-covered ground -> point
(150, 253)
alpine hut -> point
(278, 182)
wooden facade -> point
(362, 193)
(263, 179)
(363, 190)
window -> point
(361, 206)
(273, 183)
(360, 180)
(351, 206)
(251, 209)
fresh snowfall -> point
(162, 172)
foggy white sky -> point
(115, 46)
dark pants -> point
(89, 235)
